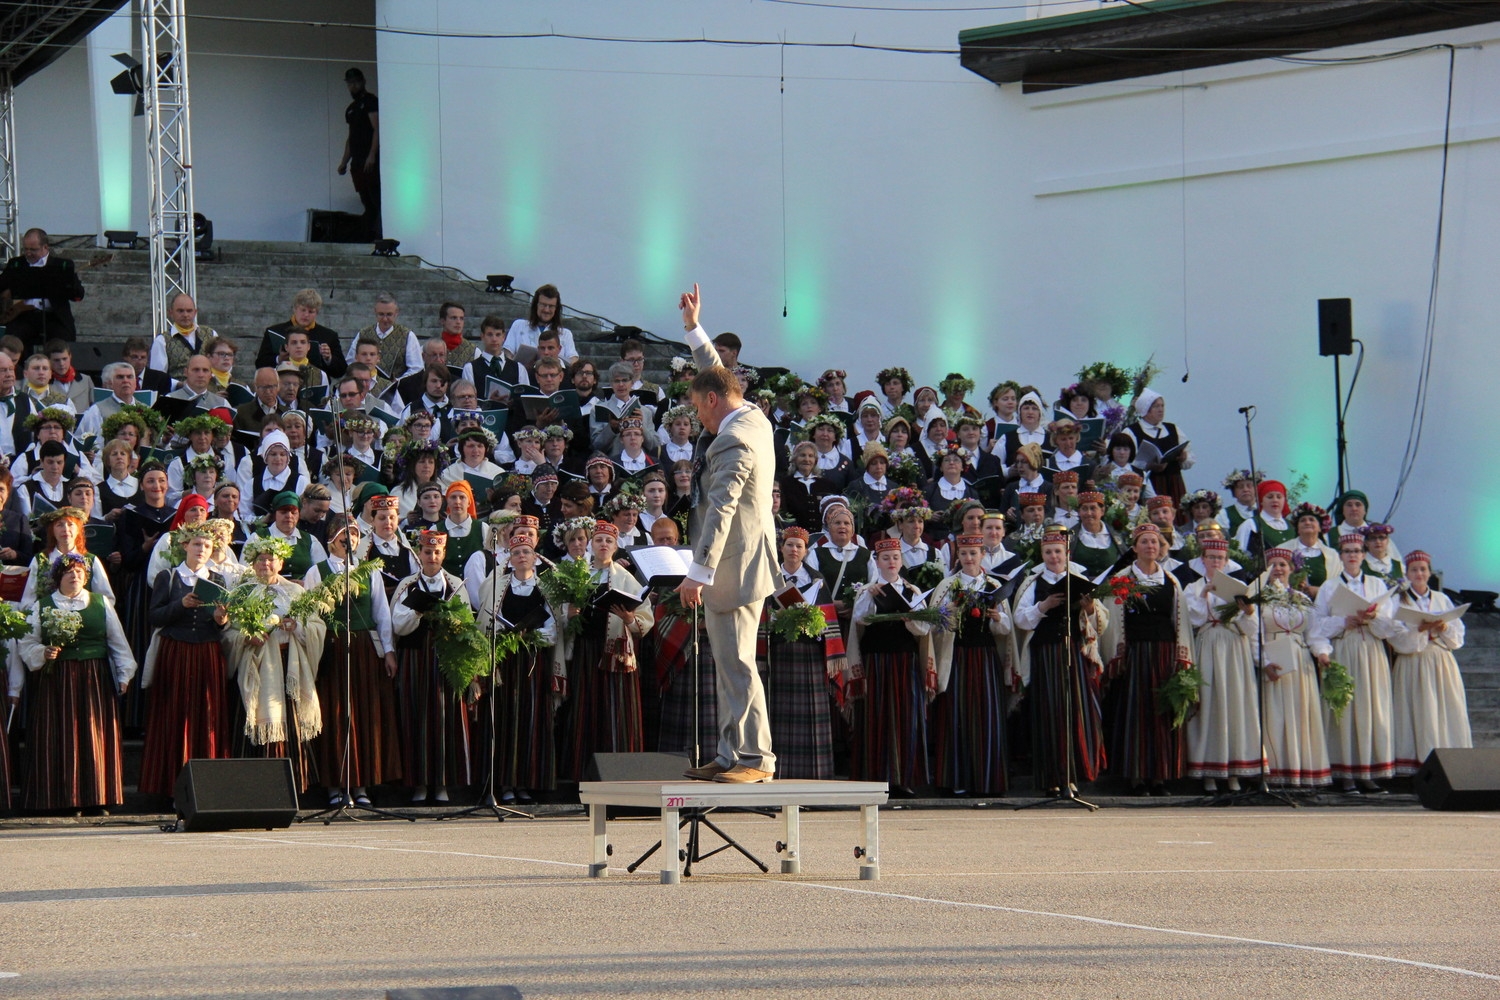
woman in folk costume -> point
(977, 677)
(894, 384)
(1029, 430)
(1360, 747)
(461, 527)
(192, 510)
(359, 746)
(1270, 526)
(1241, 485)
(1378, 558)
(872, 485)
(510, 601)
(1118, 461)
(1351, 513)
(964, 517)
(74, 757)
(1295, 741)
(604, 682)
(1166, 477)
(1309, 554)
(1002, 418)
(892, 678)
(1059, 659)
(1095, 546)
(804, 486)
(1427, 690)
(61, 533)
(1151, 640)
(1224, 734)
(434, 718)
(841, 559)
(801, 673)
(184, 676)
(277, 666)
(1202, 508)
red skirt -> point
(188, 717)
(73, 754)
(369, 728)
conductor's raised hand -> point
(689, 303)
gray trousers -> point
(744, 726)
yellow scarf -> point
(299, 326)
(185, 331)
(222, 378)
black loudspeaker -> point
(1460, 779)
(636, 767)
(1335, 327)
(239, 794)
(336, 227)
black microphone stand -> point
(488, 803)
(1068, 792)
(1262, 794)
(347, 807)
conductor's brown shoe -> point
(708, 772)
(740, 774)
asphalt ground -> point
(1238, 903)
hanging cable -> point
(1419, 404)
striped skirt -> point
(800, 710)
(189, 717)
(1223, 736)
(1146, 746)
(434, 723)
(890, 722)
(526, 741)
(1065, 717)
(1296, 747)
(74, 759)
(606, 709)
(675, 726)
(368, 728)
(968, 722)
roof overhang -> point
(1141, 39)
(32, 35)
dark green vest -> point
(92, 641)
(361, 611)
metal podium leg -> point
(791, 842)
(869, 869)
(671, 847)
(599, 864)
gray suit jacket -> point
(734, 533)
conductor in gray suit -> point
(734, 553)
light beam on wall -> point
(113, 124)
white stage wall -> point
(267, 118)
(936, 220)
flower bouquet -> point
(1337, 688)
(59, 627)
(1179, 694)
(251, 608)
(1124, 590)
(800, 621)
(904, 470)
(941, 618)
(569, 581)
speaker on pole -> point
(1335, 327)
(1455, 779)
(236, 794)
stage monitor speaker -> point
(336, 227)
(1335, 327)
(237, 794)
(636, 767)
(1455, 779)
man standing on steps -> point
(400, 354)
(362, 148)
(734, 553)
(183, 337)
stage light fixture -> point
(386, 248)
(624, 333)
(500, 284)
(203, 236)
(121, 239)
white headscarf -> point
(1032, 397)
(273, 437)
(1144, 400)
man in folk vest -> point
(182, 339)
(400, 352)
